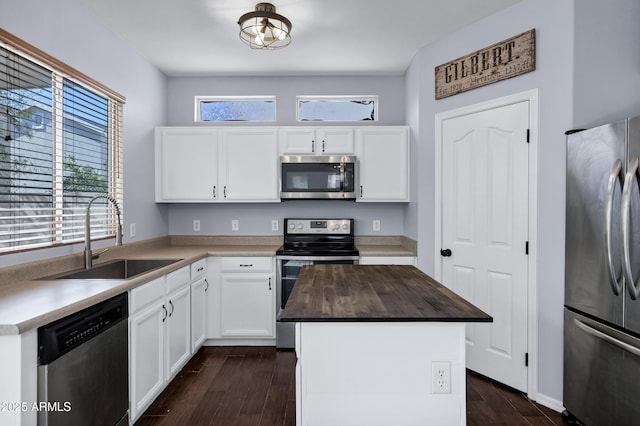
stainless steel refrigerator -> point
(602, 275)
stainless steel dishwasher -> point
(83, 365)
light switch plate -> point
(235, 225)
(132, 230)
(196, 225)
(274, 225)
(376, 225)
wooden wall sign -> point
(506, 59)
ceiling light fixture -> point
(264, 28)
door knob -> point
(445, 252)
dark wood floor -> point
(256, 386)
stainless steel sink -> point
(120, 269)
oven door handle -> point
(319, 258)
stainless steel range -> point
(309, 242)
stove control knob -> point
(345, 226)
(292, 226)
(299, 226)
(336, 227)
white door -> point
(485, 227)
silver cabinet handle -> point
(164, 308)
(214, 191)
(206, 285)
(172, 307)
(597, 333)
(200, 269)
(632, 174)
(313, 146)
(323, 145)
(246, 265)
(360, 191)
(225, 191)
(615, 278)
(269, 283)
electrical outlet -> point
(132, 230)
(196, 225)
(376, 225)
(274, 225)
(440, 377)
(235, 225)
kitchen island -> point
(378, 345)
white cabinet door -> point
(247, 305)
(250, 164)
(178, 326)
(199, 291)
(316, 140)
(186, 162)
(296, 140)
(334, 140)
(383, 160)
(213, 298)
(146, 356)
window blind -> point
(60, 145)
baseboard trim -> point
(549, 402)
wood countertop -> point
(370, 293)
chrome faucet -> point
(88, 257)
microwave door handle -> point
(341, 177)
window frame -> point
(60, 72)
(338, 99)
(199, 100)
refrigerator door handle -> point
(616, 175)
(599, 334)
(632, 286)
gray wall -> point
(607, 61)
(553, 78)
(66, 30)
(255, 219)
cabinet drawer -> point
(178, 278)
(146, 294)
(198, 269)
(246, 264)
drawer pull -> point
(269, 283)
(200, 269)
(250, 265)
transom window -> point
(60, 145)
(235, 108)
(337, 108)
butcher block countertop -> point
(360, 293)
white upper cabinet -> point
(249, 166)
(316, 140)
(205, 164)
(383, 160)
(186, 160)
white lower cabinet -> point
(242, 299)
(387, 260)
(159, 336)
(199, 290)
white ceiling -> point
(329, 37)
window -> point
(60, 145)
(232, 108)
(337, 108)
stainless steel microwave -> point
(318, 177)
